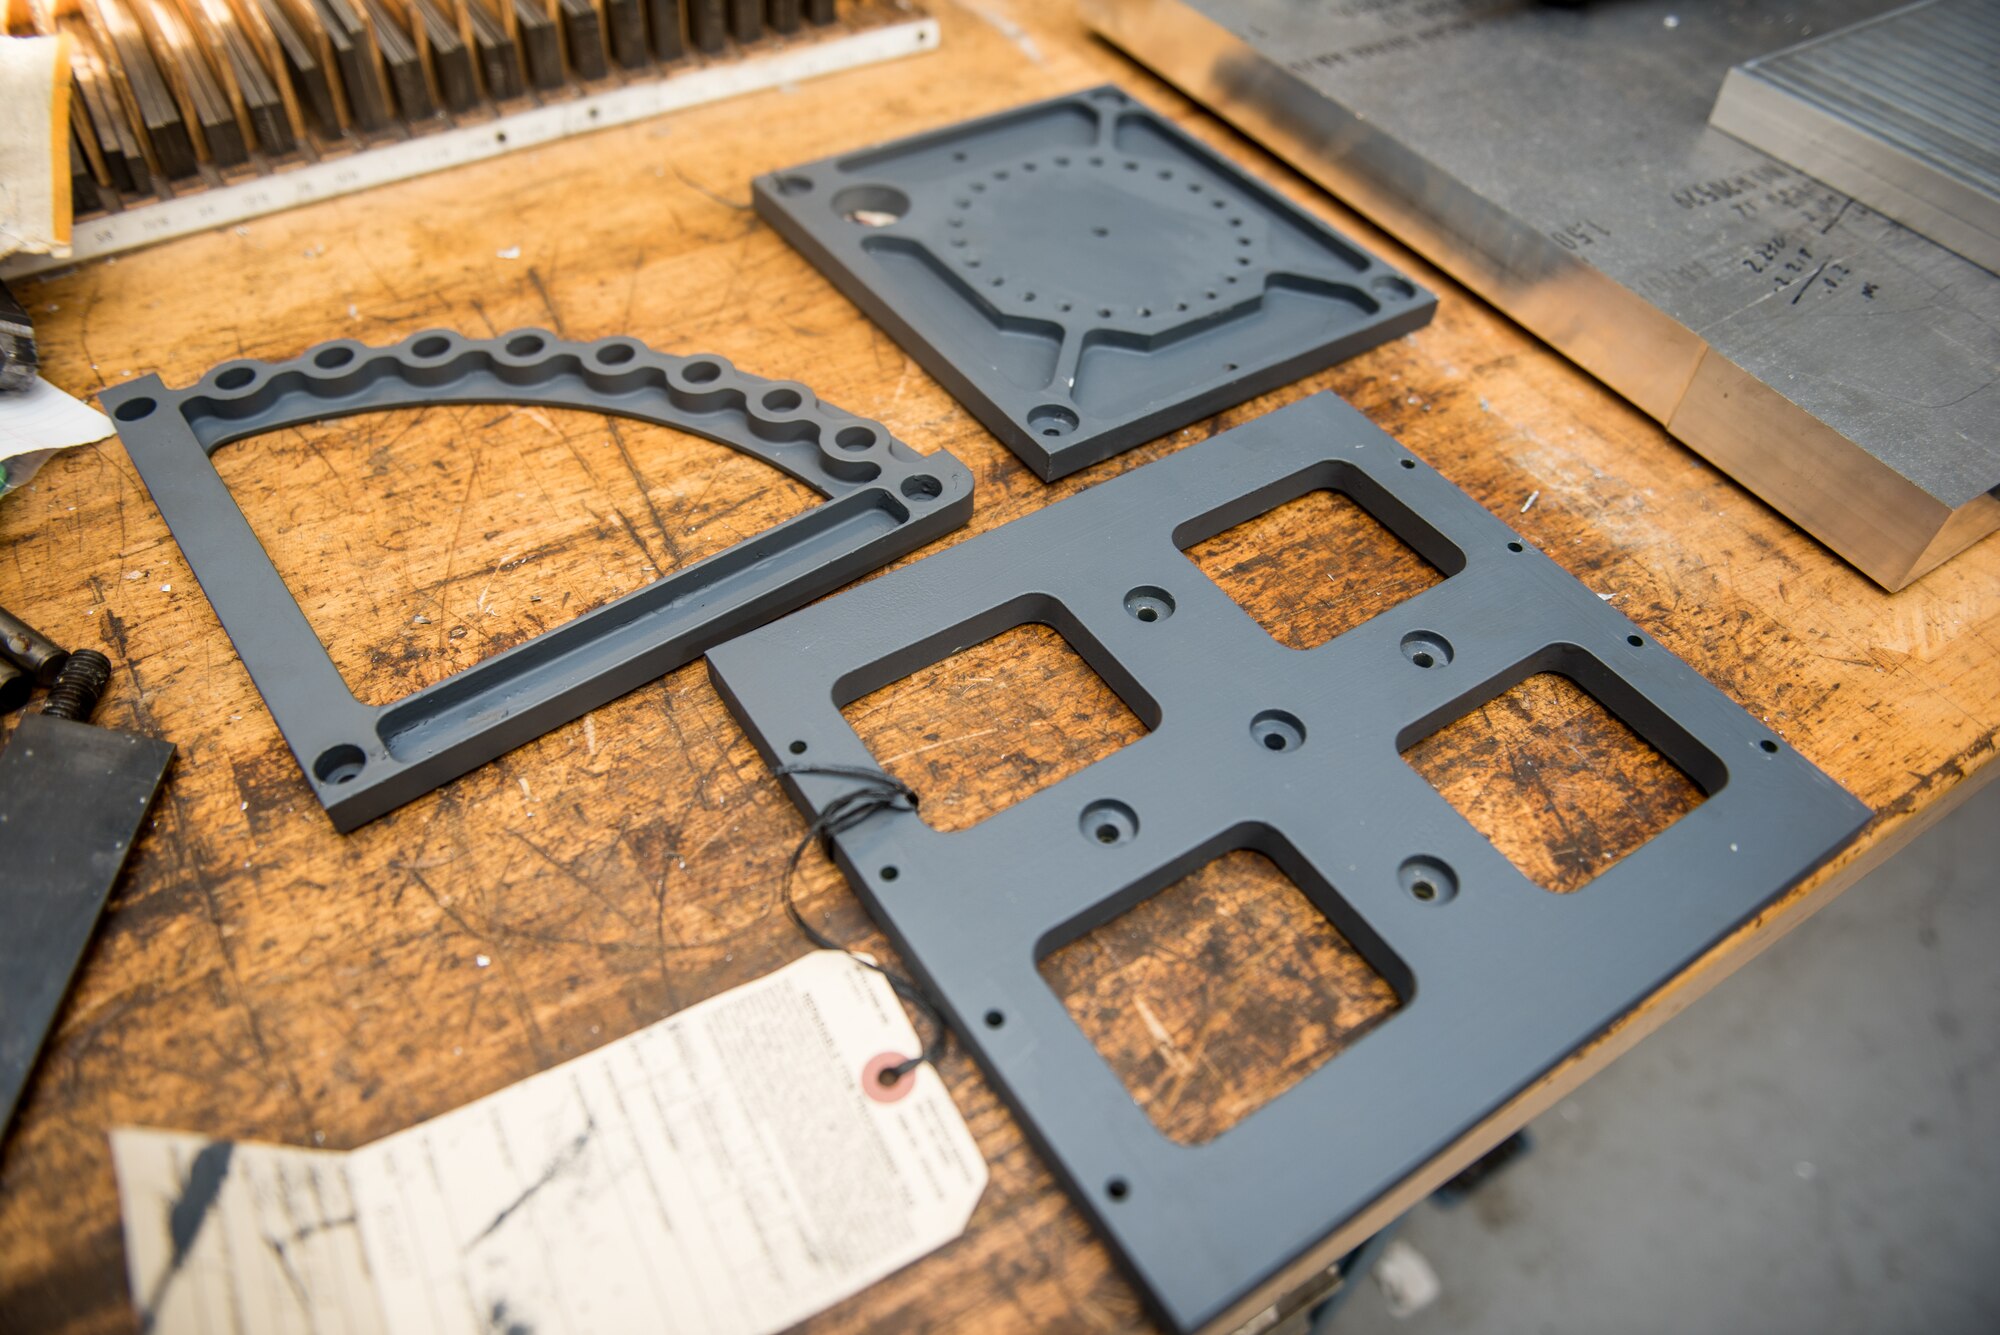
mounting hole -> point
(616, 354)
(434, 346)
(134, 409)
(1408, 463)
(1768, 747)
(855, 438)
(1428, 880)
(1636, 641)
(922, 487)
(1516, 547)
(795, 185)
(340, 764)
(874, 205)
(1052, 419)
(891, 872)
(1109, 823)
(797, 748)
(1427, 648)
(236, 377)
(994, 1019)
(1149, 603)
(701, 373)
(1100, 231)
(1117, 1188)
(782, 400)
(1277, 730)
(526, 345)
(329, 358)
(1392, 287)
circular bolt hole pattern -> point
(1635, 641)
(1149, 603)
(1426, 648)
(331, 357)
(701, 373)
(1052, 419)
(236, 377)
(875, 205)
(890, 873)
(527, 345)
(340, 764)
(1516, 547)
(922, 487)
(1428, 880)
(797, 748)
(994, 1019)
(782, 400)
(135, 409)
(855, 438)
(1768, 747)
(1109, 823)
(1409, 463)
(617, 354)
(1118, 1188)
(1277, 730)
(434, 346)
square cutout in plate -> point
(1085, 276)
(1219, 993)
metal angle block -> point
(883, 499)
(1084, 276)
(1295, 754)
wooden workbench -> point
(261, 976)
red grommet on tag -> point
(877, 1083)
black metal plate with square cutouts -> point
(883, 499)
(1083, 275)
(1297, 754)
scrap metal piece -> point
(71, 800)
(1084, 276)
(1296, 754)
(29, 649)
(883, 499)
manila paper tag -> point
(736, 1167)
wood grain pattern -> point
(259, 976)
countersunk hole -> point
(340, 764)
(994, 1019)
(617, 354)
(1104, 312)
(701, 373)
(1635, 641)
(1100, 231)
(958, 156)
(1149, 603)
(875, 205)
(332, 357)
(527, 345)
(1145, 312)
(1278, 730)
(1409, 463)
(1229, 366)
(1428, 880)
(797, 748)
(1516, 547)
(434, 346)
(1768, 747)
(1426, 648)
(1109, 823)
(890, 873)
(1117, 1188)
(1052, 419)
(922, 487)
(795, 185)
(1396, 289)
(856, 438)
(236, 377)
(782, 400)
(134, 409)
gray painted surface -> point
(1811, 1148)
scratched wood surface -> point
(260, 976)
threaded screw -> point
(78, 686)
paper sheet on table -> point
(37, 422)
(734, 1168)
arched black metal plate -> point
(1083, 275)
(883, 499)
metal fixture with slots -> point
(1083, 275)
(1295, 754)
(883, 499)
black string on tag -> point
(874, 792)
